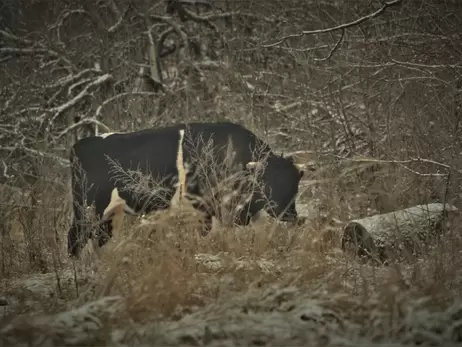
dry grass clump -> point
(162, 262)
(32, 225)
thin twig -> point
(332, 51)
(428, 66)
(85, 92)
(115, 97)
(62, 161)
(408, 161)
(84, 121)
(338, 27)
(64, 81)
(120, 16)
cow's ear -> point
(251, 165)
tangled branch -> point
(85, 92)
(344, 26)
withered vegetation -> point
(366, 95)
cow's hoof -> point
(74, 255)
(204, 232)
(102, 240)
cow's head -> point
(281, 178)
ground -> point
(266, 284)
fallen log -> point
(397, 233)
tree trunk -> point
(396, 233)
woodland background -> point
(367, 94)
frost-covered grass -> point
(160, 283)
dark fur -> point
(154, 151)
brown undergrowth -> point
(159, 281)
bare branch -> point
(9, 101)
(78, 84)
(27, 110)
(62, 161)
(338, 27)
(332, 51)
(84, 121)
(39, 51)
(408, 161)
(417, 78)
(120, 16)
(60, 109)
(24, 51)
(64, 81)
(434, 66)
(118, 96)
(5, 170)
(6, 58)
(423, 174)
(200, 19)
(12, 37)
(62, 17)
(305, 152)
(217, 16)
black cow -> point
(173, 155)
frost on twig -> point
(36, 153)
(118, 96)
(356, 22)
(82, 122)
(85, 92)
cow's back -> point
(152, 148)
(154, 152)
(245, 144)
(107, 162)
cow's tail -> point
(76, 237)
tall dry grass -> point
(159, 281)
(163, 268)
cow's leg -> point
(78, 235)
(246, 211)
(106, 232)
(243, 217)
(100, 236)
(102, 233)
(111, 215)
(206, 226)
(74, 245)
